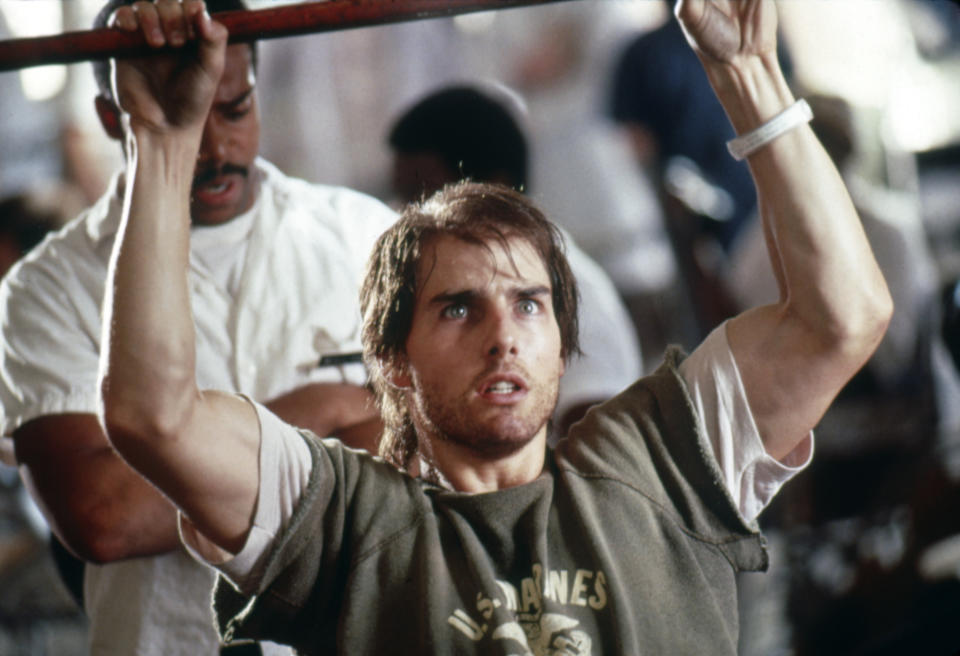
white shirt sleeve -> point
(751, 475)
(49, 354)
(285, 466)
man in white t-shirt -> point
(626, 537)
(275, 266)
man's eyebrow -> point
(446, 298)
(530, 292)
(467, 296)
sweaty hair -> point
(101, 67)
(477, 214)
(474, 134)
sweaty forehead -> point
(238, 74)
(451, 263)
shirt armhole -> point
(285, 466)
(751, 475)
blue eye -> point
(455, 311)
(528, 306)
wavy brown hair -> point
(477, 214)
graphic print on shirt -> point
(536, 630)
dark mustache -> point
(206, 175)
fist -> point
(174, 88)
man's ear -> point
(109, 115)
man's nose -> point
(502, 334)
(213, 145)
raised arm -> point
(795, 355)
(199, 448)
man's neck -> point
(463, 469)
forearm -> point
(795, 355)
(125, 517)
(98, 506)
(327, 409)
(149, 355)
(199, 448)
(135, 520)
(818, 249)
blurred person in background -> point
(559, 59)
(475, 133)
(275, 269)
(27, 217)
(677, 133)
(660, 92)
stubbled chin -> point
(507, 435)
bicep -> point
(790, 375)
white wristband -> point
(745, 145)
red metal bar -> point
(244, 26)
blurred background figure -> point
(559, 62)
(33, 596)
(25, 218)
(33, 201)
(677, 133)
(663, 98)
(458, 132)
(465, 132)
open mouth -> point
(219, 185)
(502, 387)
(214, 187)
(218, 191)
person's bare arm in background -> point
(104, 511)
